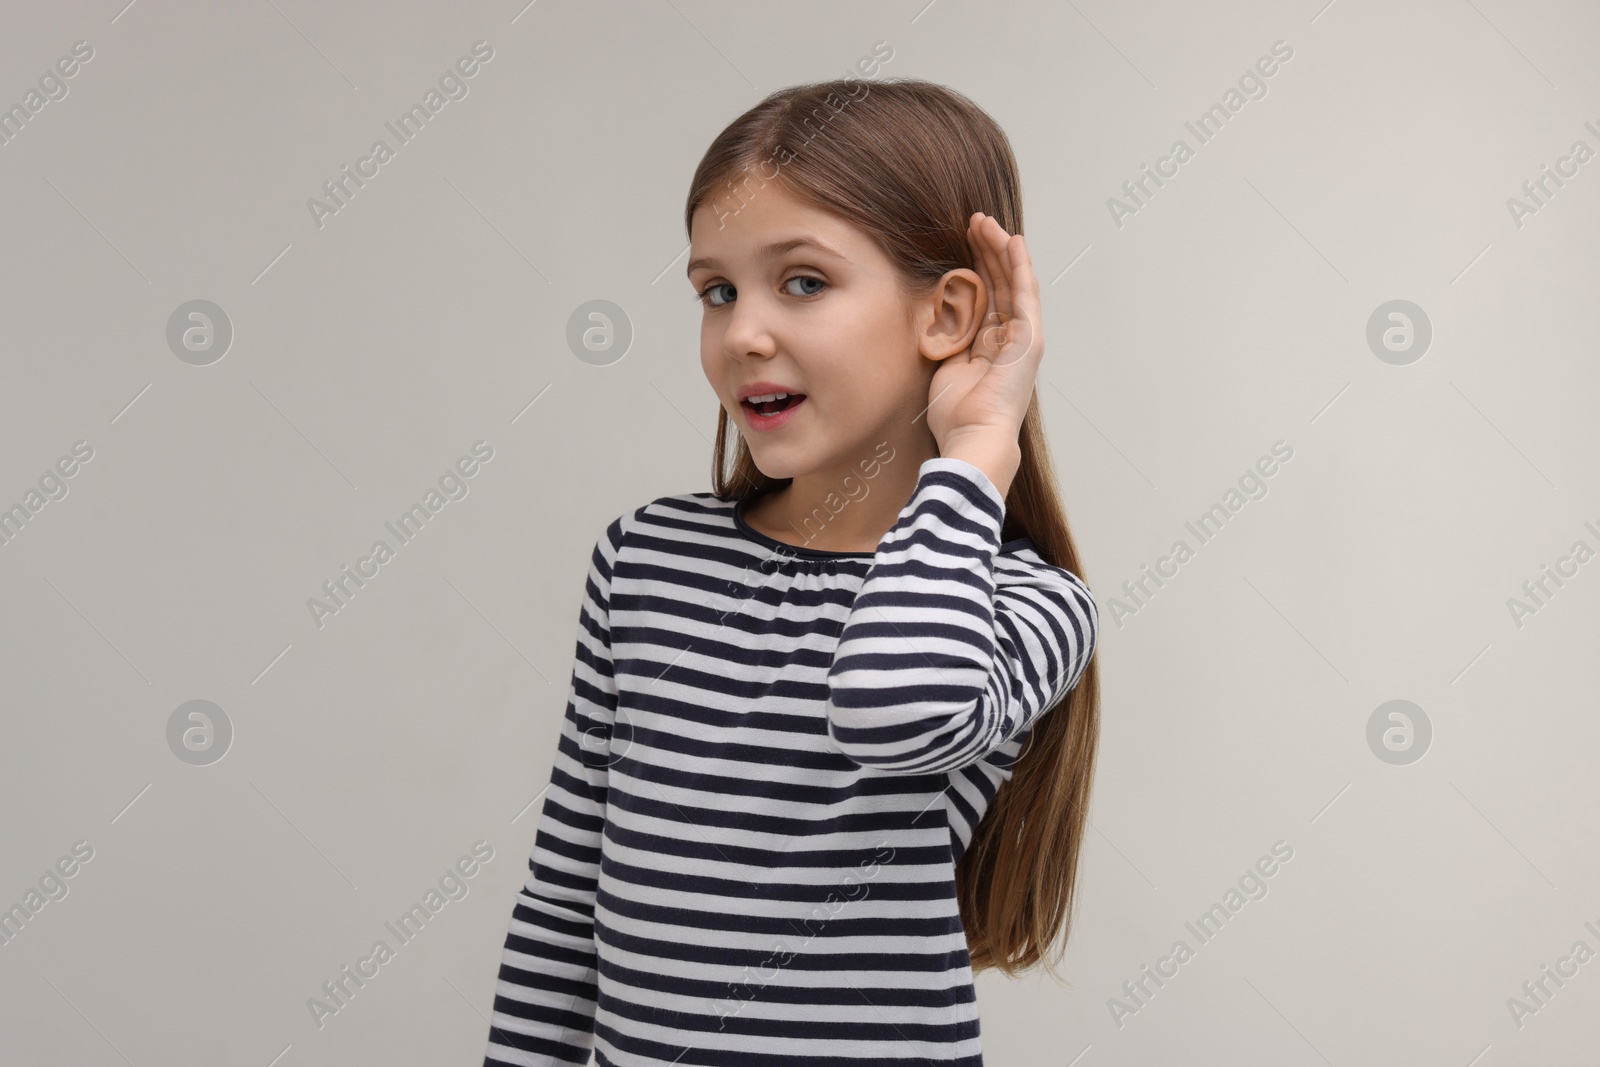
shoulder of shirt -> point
(1019, 563)
(1016, 563)
(702, 508)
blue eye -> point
(701, 295)
(808, 278)
(704, 295)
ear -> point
(948, 319)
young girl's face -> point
(823, 319)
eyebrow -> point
(773, 250)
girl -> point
(775, 832)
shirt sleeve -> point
(546, 994)
(946, 654)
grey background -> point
(369, 754)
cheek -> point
(708, 365)
(882, 393)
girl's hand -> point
(978, 398)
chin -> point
(776, 466)
(777, 471)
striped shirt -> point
(771, 760)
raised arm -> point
(946, 654)
(545, 998)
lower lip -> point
(757, 421)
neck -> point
(850, 506)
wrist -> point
(998, 458)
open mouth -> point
(772, 407)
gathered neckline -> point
(804, 552)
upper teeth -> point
(763, 398)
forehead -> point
(766, 221)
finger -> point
(1025, 338)
(989, 255)
(979, 263)
(999, 265)
(986, 345)
(1025, 286)
(1016, 343)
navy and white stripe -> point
(771, 760)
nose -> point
(747, 335)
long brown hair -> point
(908, 161)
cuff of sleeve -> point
(969, 473)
